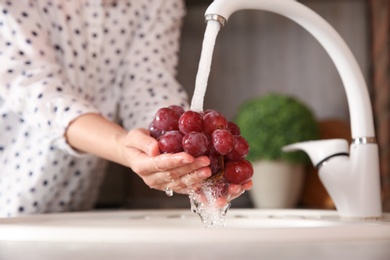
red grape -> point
(205, 133)
(238, 172)
(178, 109)
(240, 148)
(166, 119)
(222, 141)
(234, 128)
(196, 144)
(170, 142)
(190, 121)
(154, 131)
(212, 121)
(215, 161)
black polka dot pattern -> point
(60, 59)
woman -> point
(70, 70)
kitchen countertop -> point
(357, 250)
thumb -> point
(140, 139)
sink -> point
(183, 226)
(180, 234)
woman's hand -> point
(179, 172)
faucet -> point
(349, 174)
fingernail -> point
(187, 160)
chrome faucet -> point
(350, 174)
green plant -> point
(272, 121)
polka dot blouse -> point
(63, 58)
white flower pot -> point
(276, 184)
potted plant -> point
(268, 123)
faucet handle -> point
(320, 150)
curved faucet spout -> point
(362, 124)
(354, 181)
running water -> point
(206, 56)
(204, 203)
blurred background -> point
(260, 52)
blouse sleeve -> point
(150, 79)
(32, 83)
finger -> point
(221, 202)
(247, 185)
(216, 202)
(146, 165)
(140, 139)
(197, 164)
(234, 189)
(191, 181)
(175, 165)
(159, 180)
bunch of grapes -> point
(206, 133)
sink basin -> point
(180, 234)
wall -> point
(380, 83)
(258, 52)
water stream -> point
(205, 205)
(204, 66)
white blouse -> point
(62, 58)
